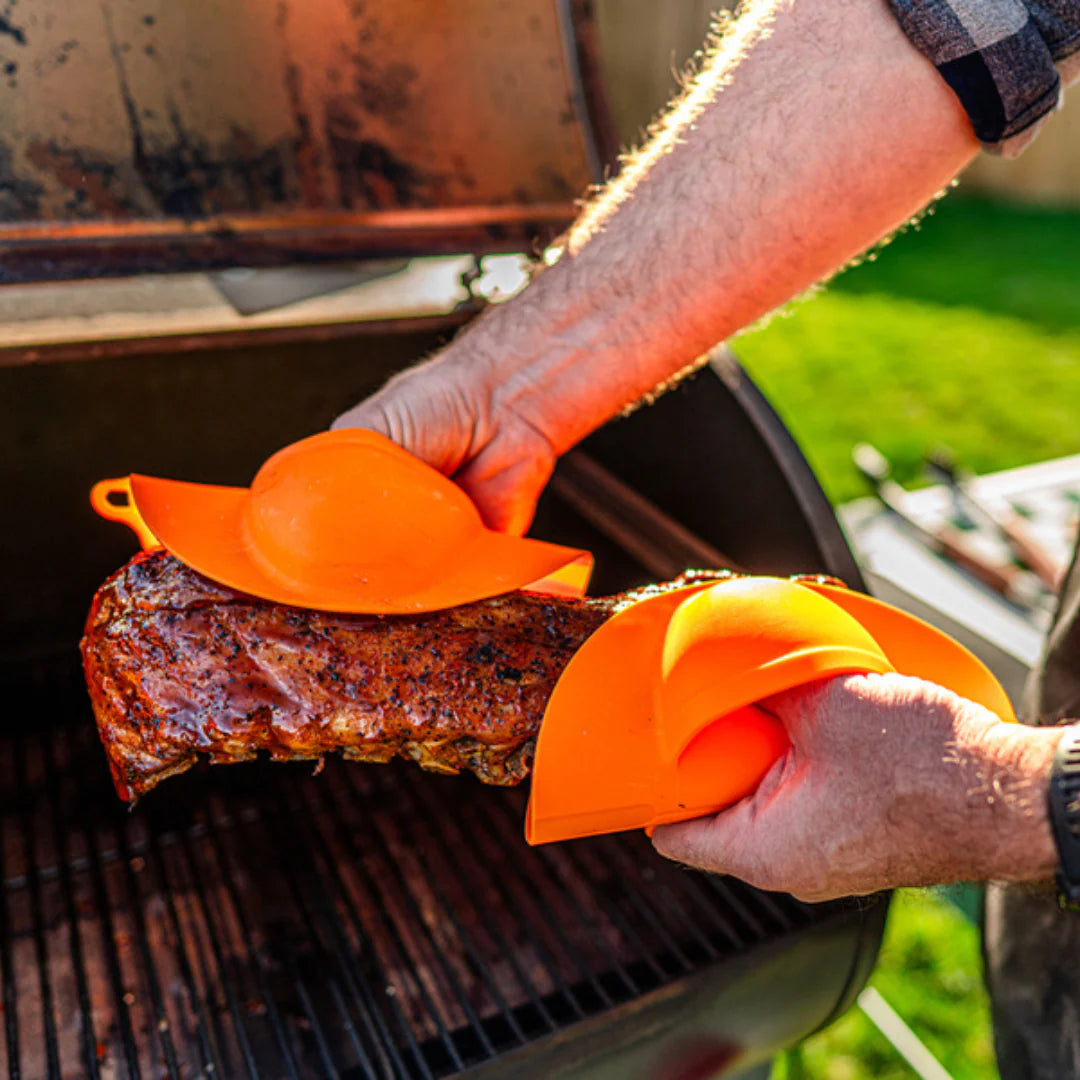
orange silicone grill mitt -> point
(654, 719)
(342, 521)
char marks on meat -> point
(179, 666)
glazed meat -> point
(179, 666)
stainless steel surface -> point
(902, 571)
(1001, 575)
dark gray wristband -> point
(1064, 805)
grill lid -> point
(149, 138)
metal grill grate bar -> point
(618, 856)
(205, 1050)
(570, 887)
(335, 945)
(463, 850)
(149, 970)
(516, 901)
(224, 978)
(574, 858)
(480, 967)
(703, 902)
(255, 960)
(330, 799)
(677, 895)
(394, 860)
(360, 984)
(318, 911)
(294, 872)
(541, 915)
(48, 1017)
(112, 959)
(779, 907)
(60, 843)
(256, 934)
(733, 902)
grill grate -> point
(367, 922)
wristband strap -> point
(1064, 806)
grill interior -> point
(366, 922)
(259, 921)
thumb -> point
(715, 843)
(506, 487)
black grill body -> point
(260, 921)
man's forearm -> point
(814, 130)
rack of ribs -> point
(179, 666)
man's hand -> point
(890, 781)
(459, 424)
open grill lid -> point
(155, 138)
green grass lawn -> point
(965, 333)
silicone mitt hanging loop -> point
(113, 500)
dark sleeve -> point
(1006, 60)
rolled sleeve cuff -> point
(998, 61)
